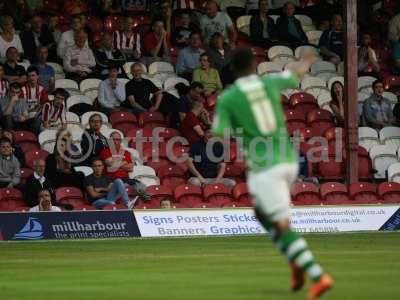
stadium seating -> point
(72, 196)
(334, 193)
(171, 176)
(382, 157)
(305, 193)
(363, 192)
(241, 196)
(188, 195)
(389, 192)
(217, 195)
(33, 155)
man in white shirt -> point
(67, 37)
(214, 21)
(44, 203)
(79, 58)
(111, 91)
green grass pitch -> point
(365, 267)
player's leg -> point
(272, 195)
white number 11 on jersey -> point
(259, 102)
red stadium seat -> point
(331, 169)
(123, 121)
(333, 136)
(10, 199)
(389, 192)
(139, 137)
(171, 176)
(235, 170)
(217, 194)
(320, 120)
(27, 140)
(188, 195)
(304, 102)
(241, 195)
(169, 133)
(259, 53)
(112, 23)
(151, 119)
(25, 174)
(363, 192)
(157, 193)
(70, 195)
(305, 193)
(334, 193)
(295, 120)
(305, 133)
(95, 24)
(31, 156)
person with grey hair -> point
(10, 173)
(8, 37)
(36, 182)
(44, 199)
(67, 37)
(79, 59)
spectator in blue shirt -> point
(46, 72)
(111, 91)
(331, 41)
(189, 57)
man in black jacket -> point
(92, 140)
(107, 55)
(39, 35)
(36, 182)
(262, 26)
(289, 28)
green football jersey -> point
(251, 108)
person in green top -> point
(251, 107)
(207, 76)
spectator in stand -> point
(59, 163)
(127, 41)
(165, 14)
(394, 29)
(206, 169)
(396, 58)
(3, 82)
(68, 37)
(93, 141)
(262, 27)
(46, 72)
(220, 54)
(368, 64)
(16, 149)
(208, 76)
(188, 95)
(38, 35)
(12, 70)
(103, 191)
(34, 93)
(195, 123)
(111, 91)
(119, 164)
(337, 103)
(214, 21)
(331, 42)
(189, 57)
(9, 166)
(181, 34)
(165, 203)
(54, 113)
(19, 12)
(16, 110)
(53, 28)
(138, 92)
(289, 28)
(107, 55)
(79, 60)
(44, 198)
(109, 7)
(75, 7)
(156, 43)
(377, 110)
(36, 182)
(8, 37)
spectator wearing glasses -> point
(93, 141)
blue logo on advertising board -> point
(32, 230)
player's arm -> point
(222, 119)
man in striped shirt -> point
(54, 113)
(127, 41)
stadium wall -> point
(190, 222)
